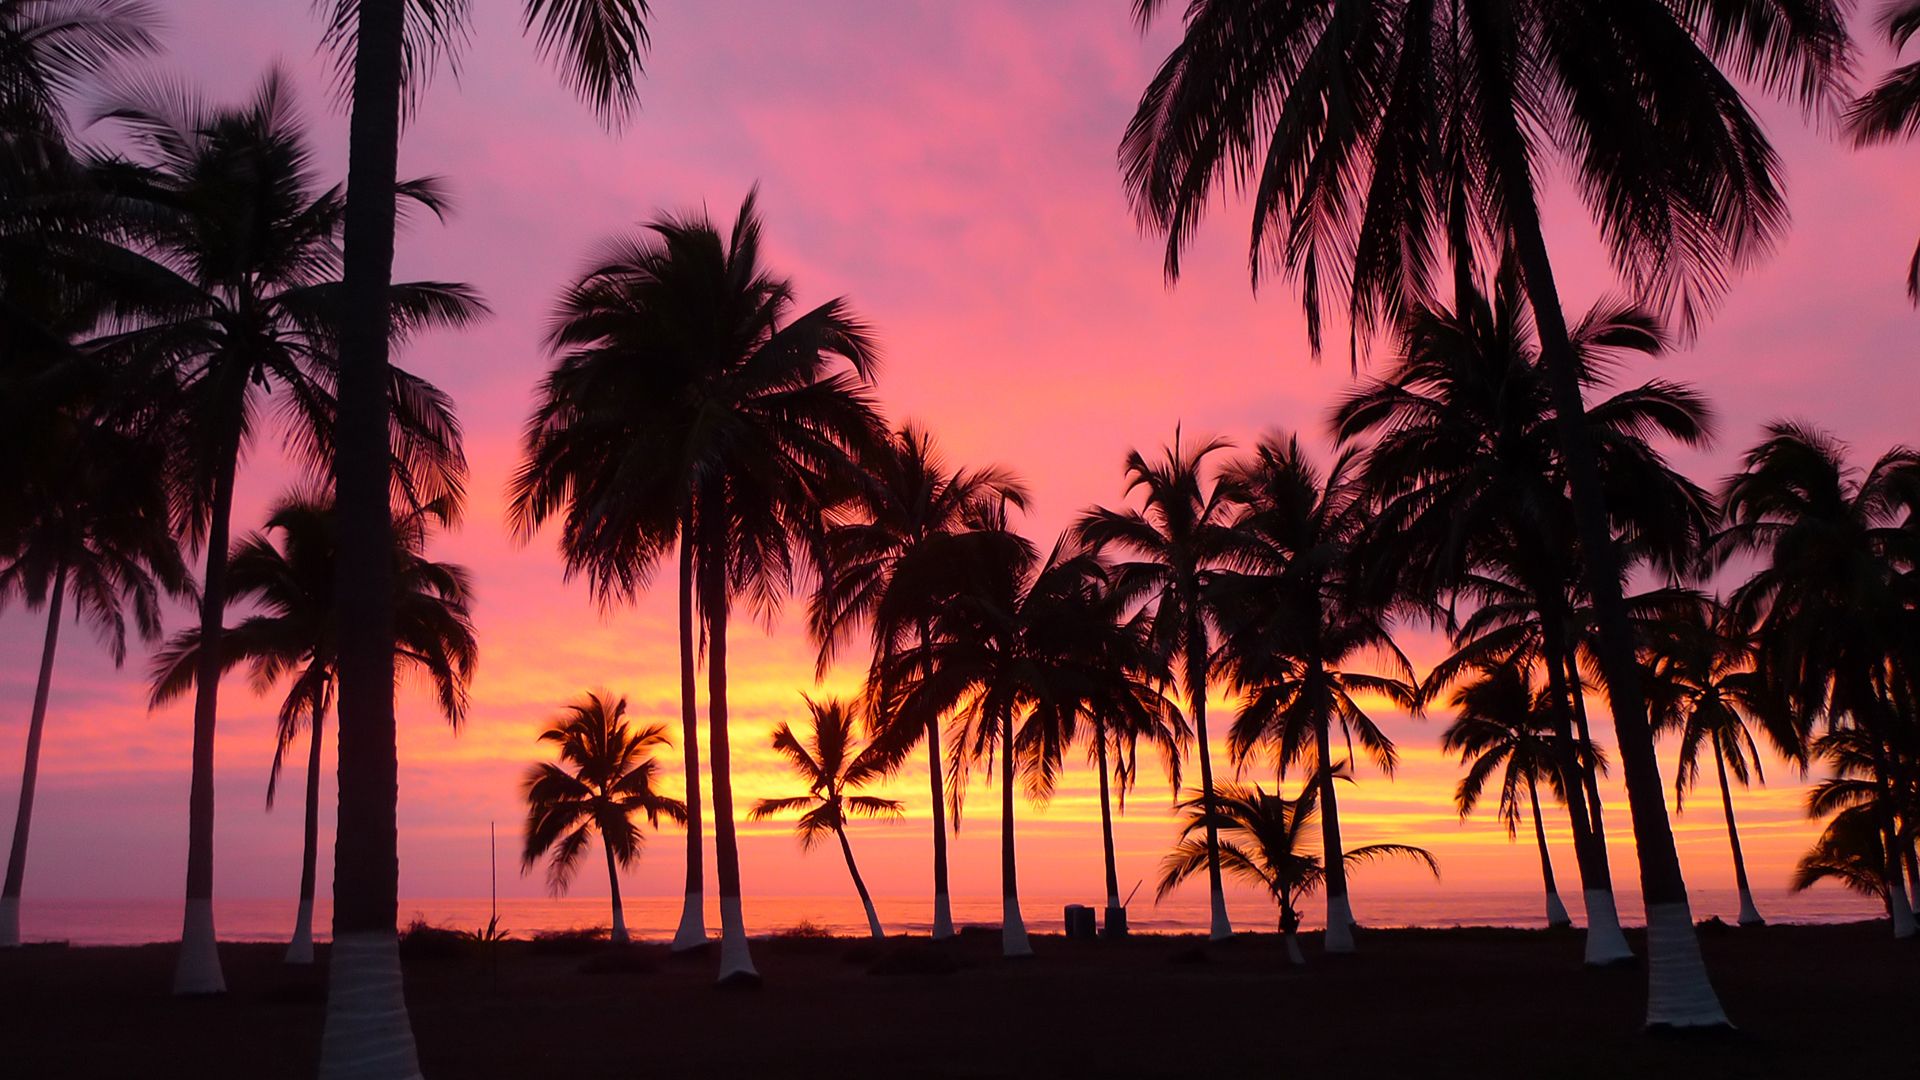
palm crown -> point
(604, 777)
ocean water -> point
(135, 922)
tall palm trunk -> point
(1556, 911)
(1221, 927)
(860, 886)
(300, 949)
(1106, 827)
(693, 915)
(620, 935)
(1339, 910)
(1749, 915)
(30, 770)
(197, 968)
(736, 965)
(1013, 928)
(1679, 992)
(942, 904)
(368, 1035)
(1605, 943)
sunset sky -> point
(950, 168)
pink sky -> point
(950, 168)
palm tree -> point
(1891, 110)
(50, 48)
(1504, 726)
(833, 764)
(236, 218)
(687, 395)
(1375, 138)
(384, 50)
(1265, 843)
(1295, 620)
(1168, 553)
(912, 500)
(604, 777)
(1849, 852)
(292, 636)
(95, 531)
(1832, 599)
(1872, 782)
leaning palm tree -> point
(93, 530)
(1167, 554)
(689, 398)
(1891, 110)
(1503, 726)
(292, 635)
(834, 765)
(233, 211)
(911, 501)
(604, 777)
(384, 50)
(1379, 139)
(1264, 842)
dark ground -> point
(1809, 1002)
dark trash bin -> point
(1080, 923)
(1116, 922)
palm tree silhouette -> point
(1503, 726)
(688, 396)
(93, 531)
(1295, 619)
(1891, 110)
(384, 51)
(603, 778)
(1168, 553)
(50, 47)
(292, 637)
(912, 499)
(250, 242)
(1264, 841)
(1377, 142)
(1868, 786)
(834, 765)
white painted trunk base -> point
(1294, 955)
(1222, 926)
(198, 969)
(1749, 915)
(1339, 925)
(9, 922)
(1903, 925)
(300, 949)
(1013, 929)
(368, 1035)
(693, 923)
(1605, 943)
(735, 962)
(620, 935)
(942, 917)
(873, 921)
(1557, 911)
(1679, 994)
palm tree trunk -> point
(1913, 871)
(620, 935)
(692, 933)
(1679, 992)
(942, 903)
(860, 886)
(1221, 927)
(1013, 928)
(300, 950)
(1589, 776)
(1899, 904)
(1605, 943)
(1556, 911)
(1749, 915)
(1339, 937)
(30, 771)
(1106, 825)
(368, 1035)
(736, 965)
(197, 968)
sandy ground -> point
(1809, 1002)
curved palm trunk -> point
(30, 770)
(1749, 915)
(368, 1035)
(1221, 927)
(197, 968)
(692, 933)
(620, 935)
(1605, 943)
(1339, 910)
(1013, 928)
(1556, 911)
(860, 886)
(942, 904)
(1106, 827)
(1679, 992)
(736, 965)
(300, 949)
